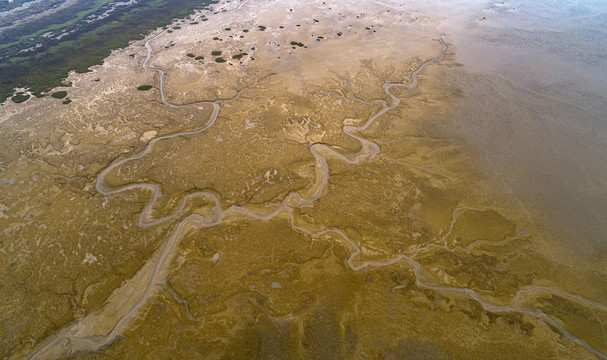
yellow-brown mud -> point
(297, 202)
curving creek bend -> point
(99, 330)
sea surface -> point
(534, 78)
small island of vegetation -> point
(59, 94)
(20, 97)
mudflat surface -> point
(280, 181)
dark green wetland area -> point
(42, 41)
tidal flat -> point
(305, 198)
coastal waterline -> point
(534, 81)
(44, 67)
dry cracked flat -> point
(298, 200)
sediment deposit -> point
(283, 190)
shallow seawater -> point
(535, 98)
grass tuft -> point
(59, 94)
(20, 97)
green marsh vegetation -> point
(47, 66)
(144, 87)
(59, 94)
(20, 97)
(53, 21)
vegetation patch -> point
(20, 97)
(220, 60)
(199, 58)
(216, 53)
(59, 94)
(262, 28)
(144, 87)
(66, 101)
(295, 43)
(216, 38)
(190, 55)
